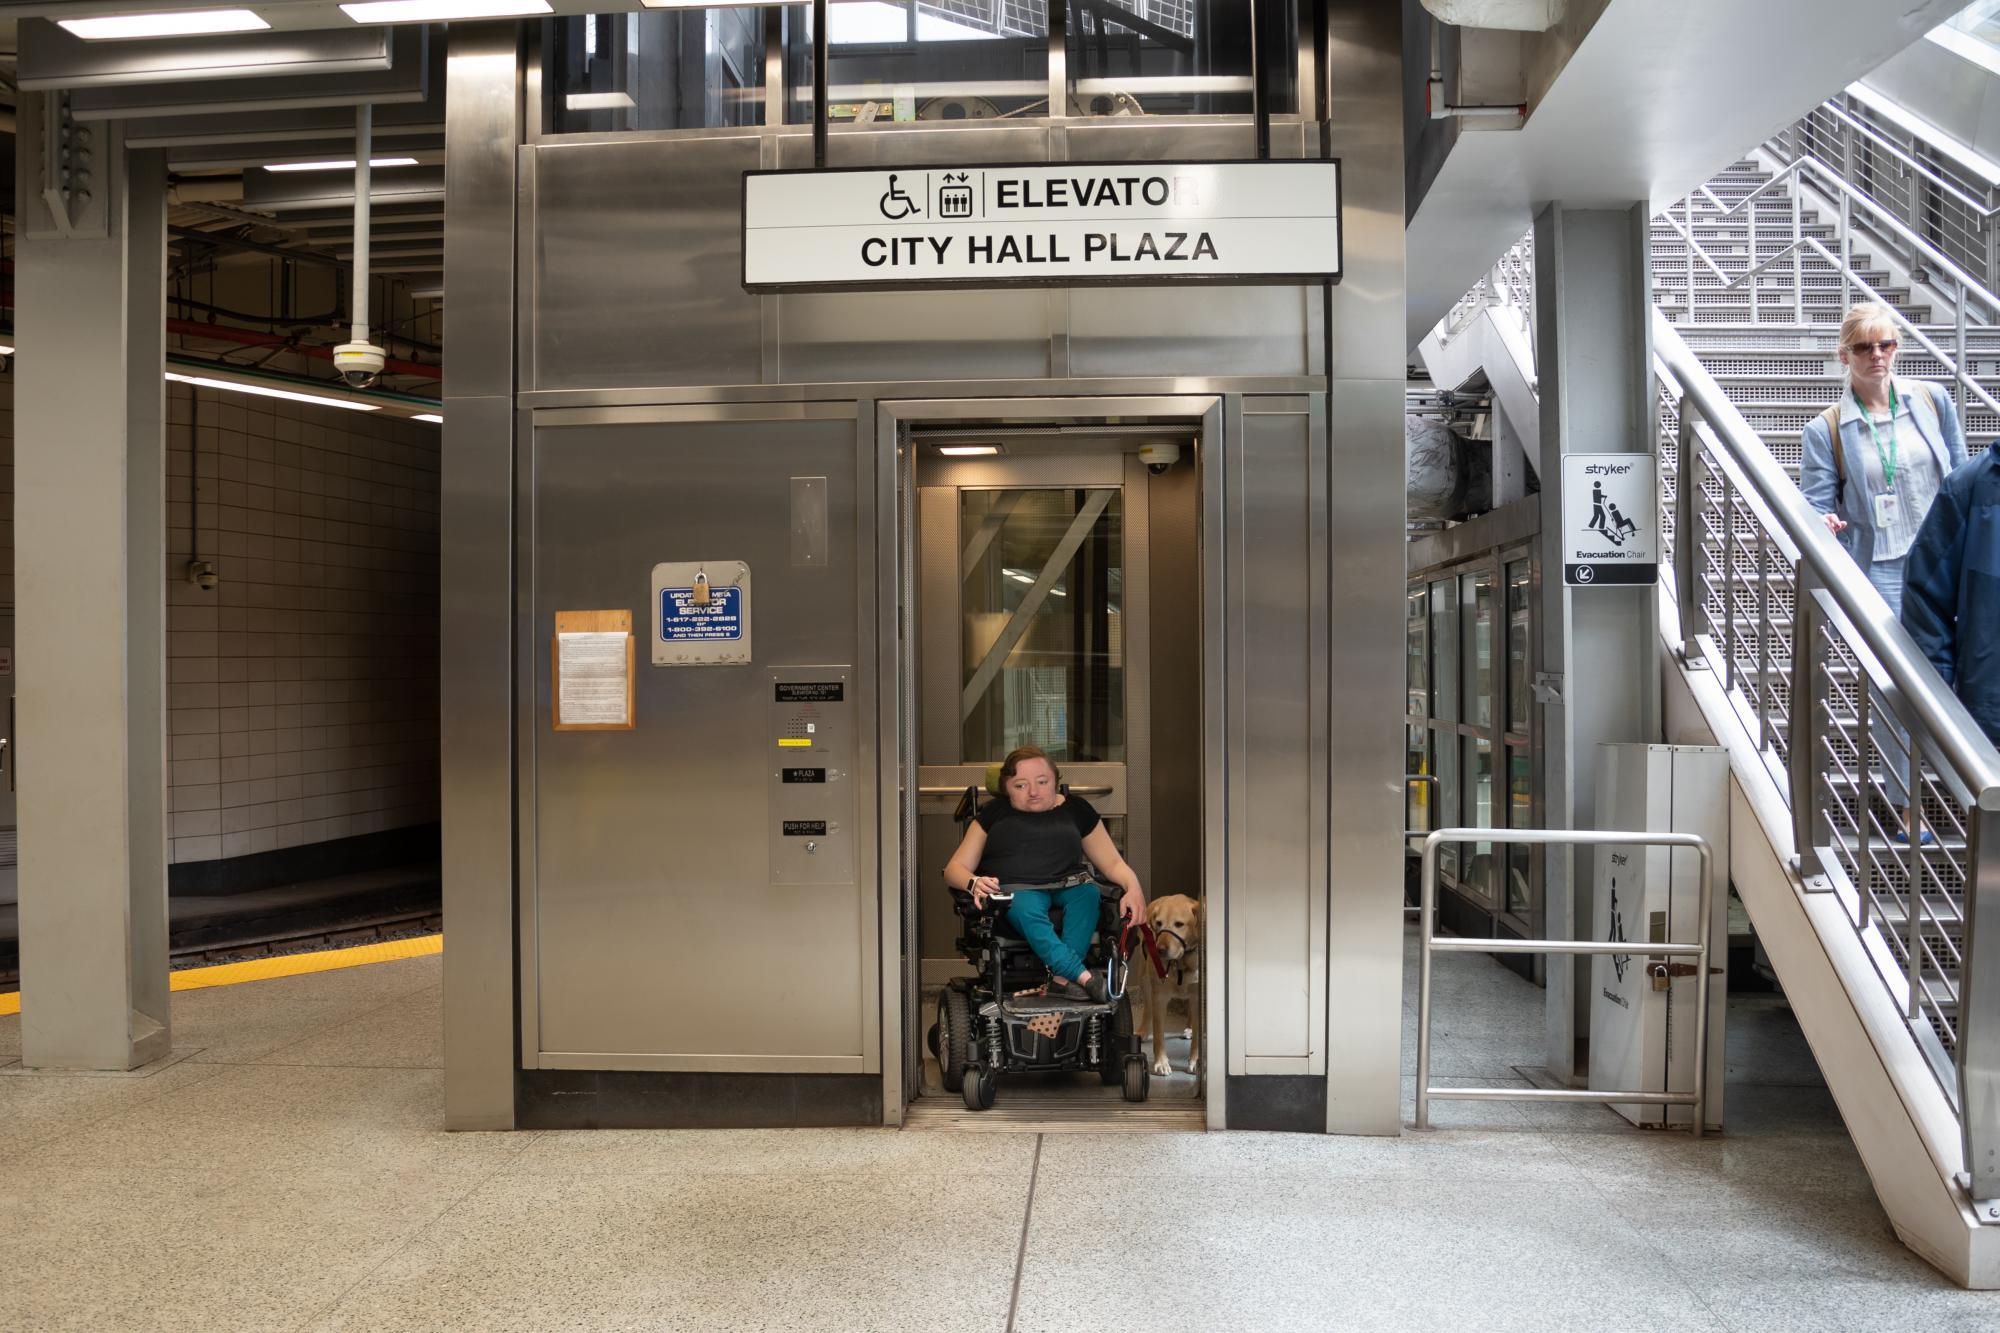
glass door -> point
(1031, 632)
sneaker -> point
(1902, 839)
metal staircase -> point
(1793, 661)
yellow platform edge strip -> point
(289, 965)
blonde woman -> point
(1875, 478)
(1872, 464)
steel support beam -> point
(476, 520)
(90, 515)
(1598, 679)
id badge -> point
(1888, 509)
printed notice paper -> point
(593, 688)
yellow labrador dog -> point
(1176, 922)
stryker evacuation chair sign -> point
(1611, 519)
(1049, 226)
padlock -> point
(1661, 979)
(700, 590)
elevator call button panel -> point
(811, 756)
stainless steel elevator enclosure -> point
(639, 933)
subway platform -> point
(285, 1169)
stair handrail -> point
(1963, 744)
(1895, 150)
(1834, 604)
(1839, 186)
(1954, 362)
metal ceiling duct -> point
(1518, 15)
(51, 58)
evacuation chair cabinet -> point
(1642, 1038)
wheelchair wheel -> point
(1137, 1078)
(954, 1037)
(978, 1089)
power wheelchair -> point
(997, 1021)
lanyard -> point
(1888, 456)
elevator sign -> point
(1611, 520)
(1036, 225)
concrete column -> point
(1600, 674)
(90, 467)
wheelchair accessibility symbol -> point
(896, 205)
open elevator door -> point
(1034, 623)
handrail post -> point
(1764, 685)
(1846, 253)
(1961, 371)
(1797, 192)
(1978, 1025)
(1687, 524)
(1809, 686)
(1687, 216)
(1426, 932)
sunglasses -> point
(1886, 346)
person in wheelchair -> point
(1048, 850)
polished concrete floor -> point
(286, 1171)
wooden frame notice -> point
(592, 669)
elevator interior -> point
(1058, 604)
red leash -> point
(1152, 944)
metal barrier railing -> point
(1429, 944)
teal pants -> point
(1030, 915)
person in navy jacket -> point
(1951, 593)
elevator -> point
(743, 589)
(1059, 605)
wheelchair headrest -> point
(993, 779)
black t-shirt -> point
(1035, 846)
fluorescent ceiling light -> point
(967, 450)
(266, 391)
(6, 350)
(182, 23)
(431, 417)
(348, 165)
(441, 11)
(599, 102)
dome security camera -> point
(360, 364)
(1159, 457)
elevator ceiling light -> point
(967, 450)
(431, 417)
(6, 349)
(264, 391)
(348, 165)
(441, 11)
(599, 102)
(182, 23)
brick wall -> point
(302, 692)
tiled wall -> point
(302, 692)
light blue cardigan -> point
(1856, 504)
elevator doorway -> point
(1055, 603)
